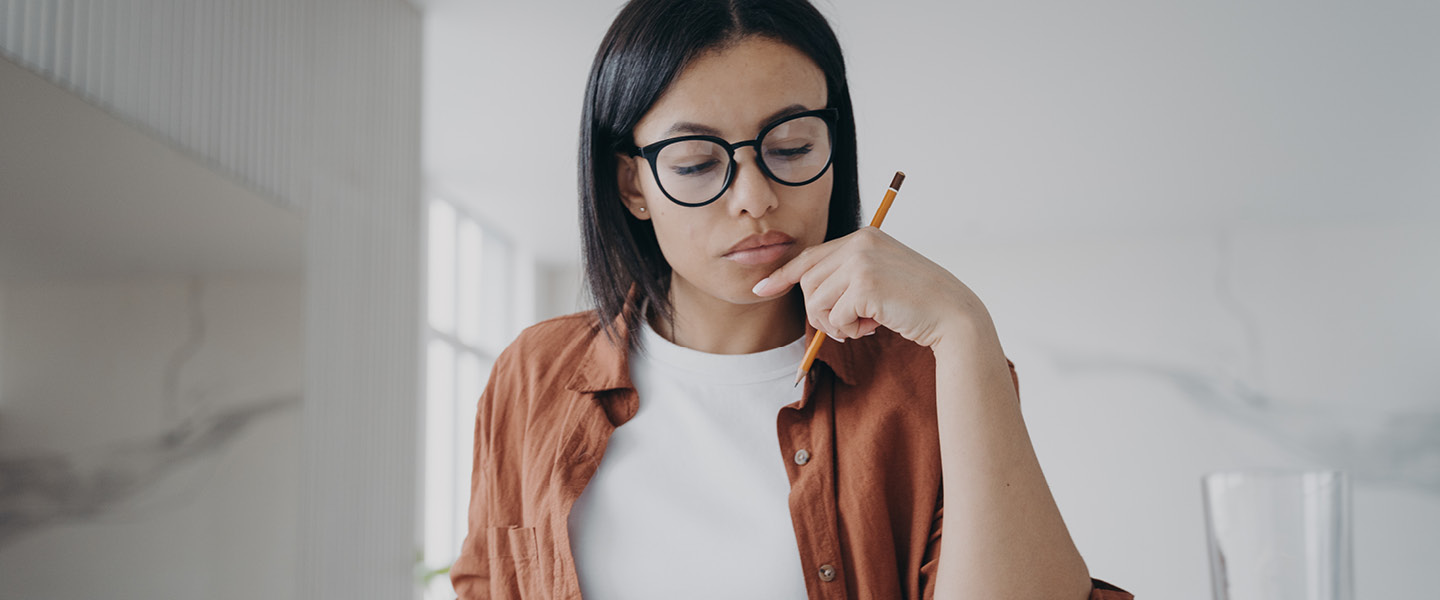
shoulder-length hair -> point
(648, 45)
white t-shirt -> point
(691, 499)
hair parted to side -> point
(647, 47)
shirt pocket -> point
(514, 562)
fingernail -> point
(758, 286)
(872, 332)
(836, 339)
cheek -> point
(818, 204)
(826, 185)
(679, 237)
(822, 199)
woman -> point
(721, 218)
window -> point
(481, 292)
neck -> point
(709, 324)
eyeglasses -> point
(695, 170)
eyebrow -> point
(698, 129)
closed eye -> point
(696, 169)
(791, 152)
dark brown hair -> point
(648, 45)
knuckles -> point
(808, 281)
(867, 238)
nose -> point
(750, 191)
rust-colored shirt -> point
(866, 505)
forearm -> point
(1003, 535)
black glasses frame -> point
(652, 151)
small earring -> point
(642, 209)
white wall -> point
(562, 291)
(86, 364)
(1147, 360)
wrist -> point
(965, 335)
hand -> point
(858, 283)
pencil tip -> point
(799, 378)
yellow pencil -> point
(875, 222)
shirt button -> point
(827, 573)
(802, 457)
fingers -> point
(855, 313)
(845, 314)
(839, 296)
(841, 307)
(791, 272)
(820, 301)
(865, 239)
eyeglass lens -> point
(794, 152)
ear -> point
(627, 176)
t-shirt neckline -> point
(766, 365)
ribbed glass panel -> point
(226, 80)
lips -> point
(761, 249)
(769, 238)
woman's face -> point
(732, 93)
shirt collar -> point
(606, 364)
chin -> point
(740, 293)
